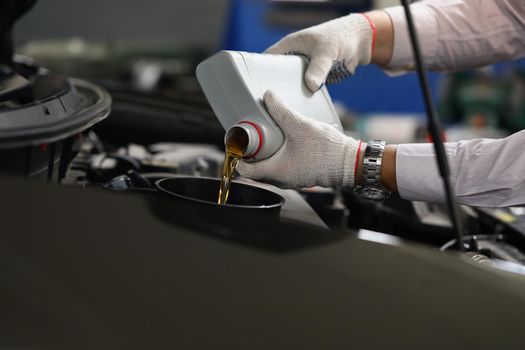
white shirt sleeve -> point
(484, 172)
(458, 34)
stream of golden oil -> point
(235, 147)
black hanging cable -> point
(435, 129)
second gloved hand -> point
(313, 153)
(335, 48)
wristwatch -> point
(372, 188)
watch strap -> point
(372, 162)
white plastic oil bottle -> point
(234, 83)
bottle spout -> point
(247, 135)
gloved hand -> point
(313, 153)
(335, 48)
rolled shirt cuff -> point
(417, 172)
(426, 26)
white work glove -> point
(335, 48)
(313, 153)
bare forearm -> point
(384, 42)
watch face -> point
(371, 193)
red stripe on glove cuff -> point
(357, 160)
(374, 32)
